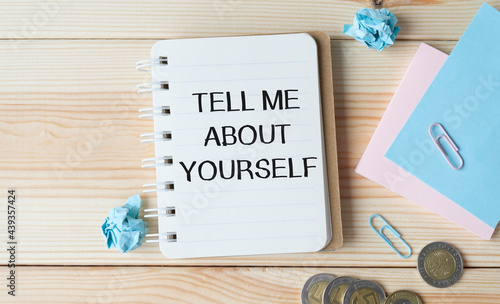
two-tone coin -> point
(334, 292)
(364, 292)
(312, 292)
(440, 264)
(403, 297)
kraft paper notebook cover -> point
(373, 165)
(465, 99)
(241, 164)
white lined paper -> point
(221, 210)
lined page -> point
(248, 156)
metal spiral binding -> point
(169, 211)
(158, 161)
(150, 113)
(149, 87)
(169, 237)
(146, 65)
(157, 136)
(162, 186)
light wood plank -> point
(156, 19)
(70, 285)
(70, 145)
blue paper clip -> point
(381, 234)
(447, 137)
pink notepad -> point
(373, 165)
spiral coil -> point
(157, 136)
(169, 211)
(150, 87)
(158, 161)
(147, 65)
(163, 237)
(155, 162)
(161, 186)
(150, 113)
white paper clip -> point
(447, 137)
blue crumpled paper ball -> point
(374, 28)
(122, 228)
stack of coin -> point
(440, 264)
(325, 289)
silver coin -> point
(364, 292)
(440, 264)
(312, 292)
(334, 292)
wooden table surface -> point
(70, 146)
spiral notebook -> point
(240, 160)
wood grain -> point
(70, 145)
(157, 19)
(227, 284)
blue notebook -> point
(465, 99)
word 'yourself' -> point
(263, 168)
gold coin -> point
(439, 264)
(403, 297)
(334, 292)
(315, 295)
(364, 292)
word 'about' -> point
(246, 135)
